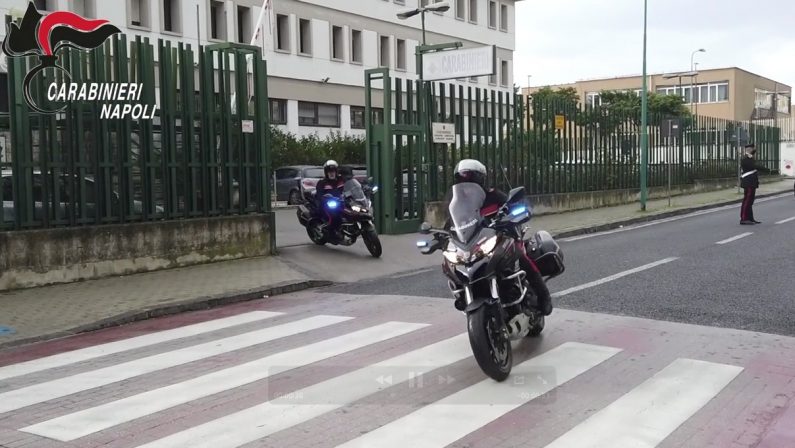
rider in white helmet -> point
(333, 184)
(470, 170)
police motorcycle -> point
(481, 262)
(356, 210)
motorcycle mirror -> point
(369, 180)
(425, 228)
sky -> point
(561, 41)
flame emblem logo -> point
(43, 36)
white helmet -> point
(470, 170)
(330, 165)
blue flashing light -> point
(332, 204)
(520, 210)
(422, 244)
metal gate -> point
(395, 154)
(205, 153)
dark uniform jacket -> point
(750, 177)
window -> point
(304, 36)
(171, 16)
(593, 99)
(384, 55)
(723, 92)
(85, 8)
(473, 11)
(139, 13)
(318, 114)
(461, 9)
(282, 32)
(278, 111)
(244, 25)
(217, 21)
(46, 5)
(401, 54)
(782, 101)
(357, 117)
(504, 18)
(492, 14)
(505, 75)
(702, 93)
(356, 46)
(337, 43)
(286, 173)
(378, 115)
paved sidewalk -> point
(54, 311)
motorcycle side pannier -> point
(547, 254)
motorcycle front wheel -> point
(315, 233)
(372, 242)
(490, 346)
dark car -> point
(292, 181)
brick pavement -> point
(51, 311)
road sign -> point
(248, 126)
(560, 121)
(463, 63)
(443, 133)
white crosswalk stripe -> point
(38, 393)
(442, 423)
(649, 411)
(85, 354)
(645, 416)
(95, 419)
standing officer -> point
(749, 182)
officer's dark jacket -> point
(750, 177)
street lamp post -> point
(692, 84)
(644, 132)
(423, 103)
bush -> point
(289, 149)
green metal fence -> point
(548, 145)
(204, 154)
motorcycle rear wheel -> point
(491, 348)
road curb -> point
(656, 217)
(202, 303)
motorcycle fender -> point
(477, 303)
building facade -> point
(728, 93)
(317, 50)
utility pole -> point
(644, 131)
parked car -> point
(293, 181)
(9, 212)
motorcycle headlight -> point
(451, 256)
(488, 246)
(358, 209)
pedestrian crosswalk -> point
(452, 409)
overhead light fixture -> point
(436, 7)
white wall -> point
(319, 66)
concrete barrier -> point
(40, 257)
(546, 204)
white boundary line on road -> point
(665, 220)
(784, 221)
(613, 277)
(735, 238)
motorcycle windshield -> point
(353, 189)
(465, 210)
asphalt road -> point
(677, 271)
